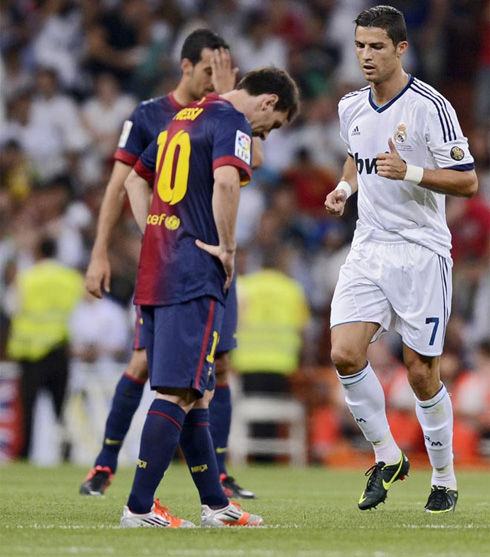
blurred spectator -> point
(469, 222)
(99, 332)
(156, 60)
(65, 219)
(272, 317)
(311, 183)
(471, 399)
(288, 21)
(279, 224)
(117, 40)
(340, 32)
(326, 265)
(461, 47)
(226, 17)
(319, 133)
(256, 46)
(454, 375)
(425, 25)
(103, 115)
(278, 150)
(16, 174)
(43, 299)
(250, 210)
(58, 43)
(313, 61)
(273, 314)
(16, 77)
(41, 143)
(481, 104)
(54, 110)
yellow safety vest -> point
(47, 293)
(273, 312)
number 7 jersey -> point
(179, 164)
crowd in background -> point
(72, 71)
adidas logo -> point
(356, 131)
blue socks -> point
(159, 440)
(197, 446)
(124, 404)
(220, 422)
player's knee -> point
(203, 403)
(138, 366)
(185, 398)
(347, 359)
(422, 382)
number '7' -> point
(434, 320)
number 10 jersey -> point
(179, 164)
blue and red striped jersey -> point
(141, 128)
(179, 164)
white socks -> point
(366, 401)
(436, 419)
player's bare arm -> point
(225, 208)
(98, 276)
(336, 199)
(442, 180)
(224, 76)
(139, 192)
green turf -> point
(308, 512)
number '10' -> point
(173, 166)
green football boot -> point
(441, 500)
(381, 476)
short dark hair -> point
(277, 81)
(385, 17)
(197, 41)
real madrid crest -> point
(457, 153)
(400, 135)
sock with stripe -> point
(220, 422)
(436, 419)
(198, 449)
(127, 398)
(159, 440)
(365, 398)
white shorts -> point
(402, 286)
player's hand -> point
(224, 76)
(227, 259)
(391, 165)
(98, 276)
(335, 202)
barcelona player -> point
(184, 193)
(206, 67)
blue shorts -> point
(138, 326)
(227, 335)
(180, 342)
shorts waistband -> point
(382, 236)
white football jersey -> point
(425, 130)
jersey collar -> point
(173, 100)
(393, 100)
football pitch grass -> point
(309, 512)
